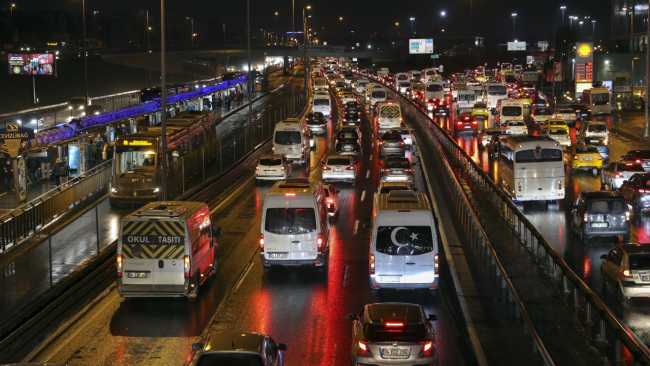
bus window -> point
(600, 98)
(539, 155)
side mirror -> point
(433, 317)
(197, 346)
(351, 317)
(337, 191)
(216, 232)
(414, 164)
(282, 347)
(603, 256)
(622, 156)
(367, 223)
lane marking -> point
(243, 277)
(476, 344)
(346, 275)
(370, 157)
(372, 144)
(363, 195)
(368, 174)
(356, 226)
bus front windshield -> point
(130, 159)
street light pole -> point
(647, 74)
(11, 9)
(562, 8)
(293, 56)
(149, 47)
(412, 31)
(581, 29)
(163, 100)
(95, 22)
(514, 16)
(250, 79)
(83, 8)
(192, 36)
(305, 64)
(593, 30)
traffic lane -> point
(26, 275)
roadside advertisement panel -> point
(421, 46)
(516, 46)
(558, 71)
(31, 63)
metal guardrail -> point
(24, 221)
(546, 256)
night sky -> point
(492, 19)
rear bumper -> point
(374, 285)
(606, 231)
(586, 165)
(631, 289)
(128, 290)
(396, 178)
(271, 177)
(317, 262)
(391, 151)
(331, 177)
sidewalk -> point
(7, 199)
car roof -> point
(634, 247)
(234, 341)
(603, 194)
(339, 157)
(271, 156)
(393, 184)
(383, 312)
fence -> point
(24, 221)
(608, 325)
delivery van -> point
(322, 102)
(291, 138)
(388, 115)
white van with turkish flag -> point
(404, 243)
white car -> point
(558, 134)
(617, 172)
(347, 97)
(515, 128)
(486, 134)
(339, 168)
(406, 136)
(593, 129)
(568, 115)
(272, 167)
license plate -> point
(645, 278)
(137, 274)
(347, 147)
(338, 170)
(269, 171)
(389, 279)
(397, 172)
(587, 159)
(599, 224)
(468, 126)
(395, 352)
(278, 255)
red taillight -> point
(427, 349)
(119, 265)
(327, 168)
(474, 122)
(638, 161)
(372, 264)
(408, 170)
(187, 266)
(283, 168)
(349, 168)
(257, 168)
(385, 170)
(320, 243)
(576, 157)
(585, 217)
(519, 185)
(627, 273)
(364, 350)
(330, 200)
(394, 325)
(641, 190)
(600, 158)
(401, 142)
(619, 175)
(436, 265)
(559, 185)
(261, 243)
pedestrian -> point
(59, 171)
(34, 169)
(45, 164)
(238, 98)
(8, 171)
(219, 102)
(118, 131)
(92, 154)
(227, 103)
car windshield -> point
(511, 111)
(597, 128)
(516, 123)
(391, 136)
(287, 138)
(497, 90)
(132, 158)
(347, 136)
(388, 189)
(352, 105)
(321, 101)
(230, 359)
(586, 150)
(639, 261)
(467, 97)
(338, 161)
(544, 112)
(600, 98)
(397, 163)
(566, 111)
(539, 155)
(404, 240)
(287, 221)
(433, 87)
(378, 94)
(630, 167)
(270, 162)
(557, 132)
(607, 206)
(407, 333)
(557, 123)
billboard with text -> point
(31, 63)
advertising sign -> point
(584, 69)
(607, 84)
(542, 45)
(31, 63)
(22, 181)
(516, 46)
(421, 45)
(621, 82)
(558, 71)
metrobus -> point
(531, 168)
(137, 162)
(597, 100)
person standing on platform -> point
(45, 164)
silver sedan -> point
(617, 172)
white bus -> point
(597, 100)
(531, 168)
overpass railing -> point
(595, 311)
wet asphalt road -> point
(554, 221)
(297, 306)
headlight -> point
(156, 190)
(113, 190)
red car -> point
(466, 123)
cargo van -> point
(360, 86)
(465, 99)
(433, 91)
(388, 115)
(428, 75)
(295, 225)
(291, 138)
(320, 84)
(369, 87)
(508, 110)
(377, 94)
(166, 249)
(496, 92)
(415, 75)
(322, 103)
(404, 243)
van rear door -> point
(290, 228)
(421, 243)
(389, 250)
(153, 253)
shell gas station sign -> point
(584, 67)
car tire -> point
(195, 290)
(325, 267)
(215, 265)
(594, 172)
(585, 238)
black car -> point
(600, 214)
(492, 147)
(348, 142)
(351, 118)
(316, 122)
(391, 143)
(639, 156)
(636, 191)
(582, 112)
(440, 107)
(352, 106)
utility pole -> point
(647, 74)
(83, 6)
(250, 74)
(293, 56)
(562, 8)
(149, 47)
(163, 100)
(192, 35)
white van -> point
(508, 110)
(360, 86)
(433, 91)
(295, 225)
(369, 86)
(316, 71)
(428, 75)
(291, 138)
(388, 115)
(322, 102)
(382, 73)
(377, 94)
(402, 76)
(465, 99)
(166, 249)
(415, 75)
(404, 243)
(320, 84)
(496, 92)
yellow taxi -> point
(584, 157)
(554, 123)
(525, 99)
(480, 110)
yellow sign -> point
(136, 143)
(12, 127)
(584, 50)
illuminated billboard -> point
(31, 63)
(420, 46)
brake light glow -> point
(427, 349)
(641, 190)
(289, 194)
(349, 168)
(385, 170)
(408, 170)
(559, 185)
(436, 265)
(619, 175)
(585, 217)
(394, 324)
(600, 157)
(119, 265)
(187, 265)
(519, 185)
(372, 264)
(627, 215)
(627, 273)
(320, 243)
(576, 157)
(638, 161)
